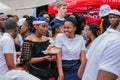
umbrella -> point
(4, 7)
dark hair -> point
(1, 13)
(75, 19)
(29, 20)
(82, 19)
(95, 30)
(10, 25)
(42, 13)
(25, 16)
(9, 15)
(106, 23)
(55, 26)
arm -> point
(10, 61)
(104, 75)
(109, 65)
(40, 59)
(82, 68)
(59, 65)
(82, 56)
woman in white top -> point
(72, 49)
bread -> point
(53, 48)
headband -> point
(38, 21)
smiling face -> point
(3, 19)
(42, 29)
(69, 29)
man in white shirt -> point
(3, 19)
(103, 58)
(18, 75)
(7, 47)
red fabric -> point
(101, 2)
(84, 5)
(93, 19)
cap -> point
(114, 12)
(104, 10)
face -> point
(42, 28)
(47, 17)
(88, 31)
(3, 19)
(15, 33)
(59, 30)
(16, 18)
(114, 20)
(24, 28)
(69, 29)
(62, 10)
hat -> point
(114, 12)
(104, 10)
(37, 21)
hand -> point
(48, 57)
(61, 77)
(54, 57)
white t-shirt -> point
(104, 54)
(6, 46)
(71, 48)
(19, 75)
(0, 35)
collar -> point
(7, 34)
(60, 18)
(110, 30)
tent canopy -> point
(4, 7)
(84, 5)
(40, 3)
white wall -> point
(18, 4)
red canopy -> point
(101, 2)
(84, 5)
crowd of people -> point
(83, 50)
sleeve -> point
(8, 46)
(110, 60)
(58, 41)
(83, 45)
(26, 51)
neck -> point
(118, 28)
(27, 33)
(11, 34)
(60, 16)
(72, 36)
(92, 38)
(115, 26)
(37, 35)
